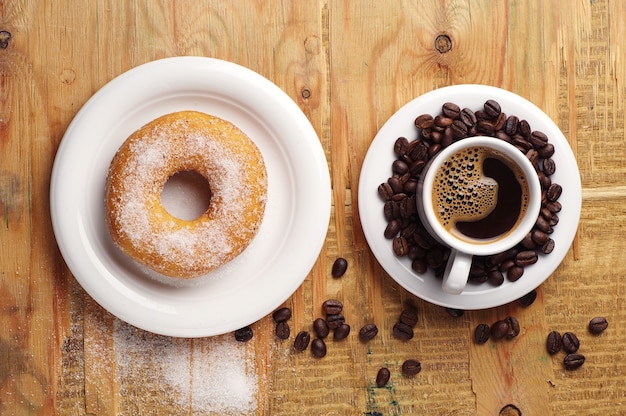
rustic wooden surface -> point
(349, 65)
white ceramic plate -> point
(290, 237)
(377, 169)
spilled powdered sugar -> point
(204, 375)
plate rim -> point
(390, 263)
(264, 89)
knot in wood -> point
(443, 43)
(5, 37)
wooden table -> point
(349, 66)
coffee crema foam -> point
(463, 193)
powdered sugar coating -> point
(215, 148)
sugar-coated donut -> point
(176, 142)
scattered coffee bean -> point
(318, 348)
(455, 313)
(402, 331)
(411, 367)
(334, 321)
(320, 327)
(281, 315)
(499, 330)
(481, 333)
(573, 361)
(339, 267)
(332, 307)
(341, 332)
(528, 299)
(409, 317)
(302, 341)
(282, 330)
(244, 334)
(597, 325)
(514, 328)
(382, 377)
(570, 342)
(554, 342)
(368, 332)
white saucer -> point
(376, 169)
(297, 212)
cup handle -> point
(456, 272)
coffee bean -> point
(573, 361)
(302, 341)
(570, 342)
(341, 332)
(492, 108)
(411, 367)
(526, 258)
(385, 191)
(400, 246)
(528, 299)
(424, 121)
(442, 121)
(548, 247)
(524, 128)
(450, 110)
(400, 167)
(459, 129)
(334, 321)
(339, 267)
(332, 306)
(396, 186)
(468, 117)
(282, 330)
(244, 334)
(419, 266)
(382, 377)
(281, 315)
(546, 151)
(549, 167)
(320, 328)
(499, 121)
(514, 328)
(495, 277)
(514, 273)
(539, 237)
(409, 317)
(510, 126)
(400, 146)
(597, 325)
(554, 342)
(482, 333)
(392, 229)
(499, 330)
(402, 331)
(554, 192)
(318, 348)
(368, 332)
(538, 139)
(542, 224)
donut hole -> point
(186, 195)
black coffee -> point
(479, 194)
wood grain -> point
(349, 65)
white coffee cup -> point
(466, 203)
